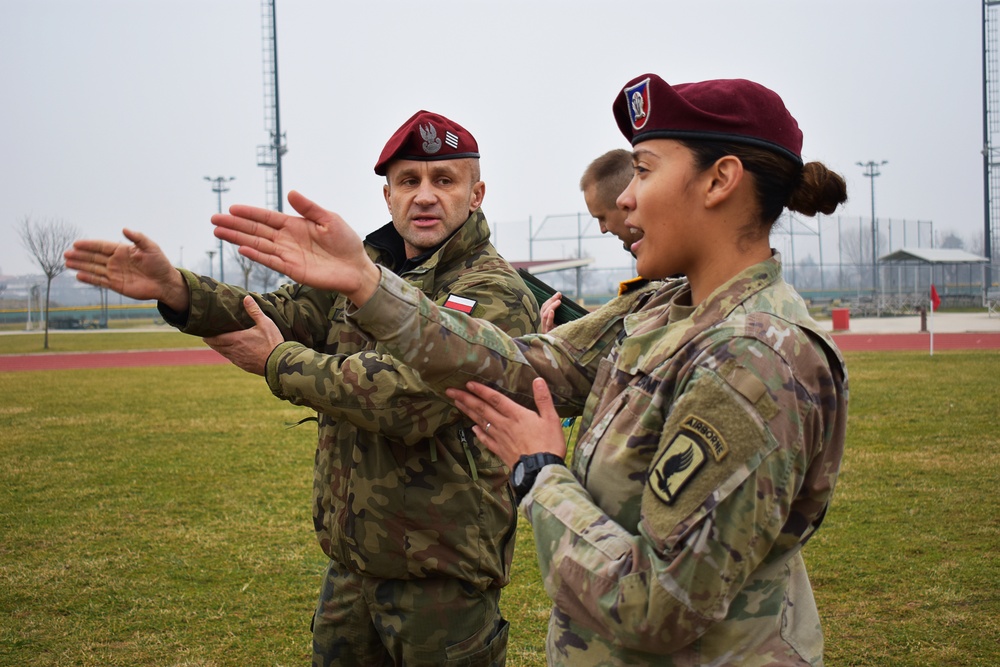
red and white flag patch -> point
(460, 303)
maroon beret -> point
(734, 110)
(427, 136)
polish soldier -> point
(416, 516)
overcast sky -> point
(114, 111)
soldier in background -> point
(713, 424)
(416, 515)
(602, 181)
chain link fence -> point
(828, 259)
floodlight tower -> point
(269, 155)
(218, 187)
(871, 172)
(991, 143)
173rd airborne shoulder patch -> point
(684, 456)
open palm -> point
(318, 249)
(138, 270)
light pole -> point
(871, 171)
(218, 187)
(211, 256)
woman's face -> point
(663, 204)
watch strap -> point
(532, 464)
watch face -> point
(518, 475)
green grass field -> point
(161, 516)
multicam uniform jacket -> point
(710, 444)
(402, 488)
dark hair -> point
(610, 173)
(779, 182)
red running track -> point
(131, 359)
(848, 342)
(900, 342)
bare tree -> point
(265, 277)
(47, 240)
(807, 274)
(246, 265)
(975, 244)
(952, 240)
(856, 248)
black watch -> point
(526, 470)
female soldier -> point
(715, 407)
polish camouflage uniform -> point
(711, 441)
(403, 491)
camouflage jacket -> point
(709, 448)
(402, 489)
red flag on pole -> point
(935, 299)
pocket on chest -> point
(613, 457)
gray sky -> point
(115, 110)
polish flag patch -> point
(460, 303)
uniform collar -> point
(388, 249)
(652, 331)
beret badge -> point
(637, 99)
(431, 142)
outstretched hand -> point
(138, 270)
(508, 429)
(249, 349)
(318, 249)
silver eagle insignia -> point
(431, 143)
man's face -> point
(611, 218)
(430, 200)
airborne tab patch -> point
(710, 436)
